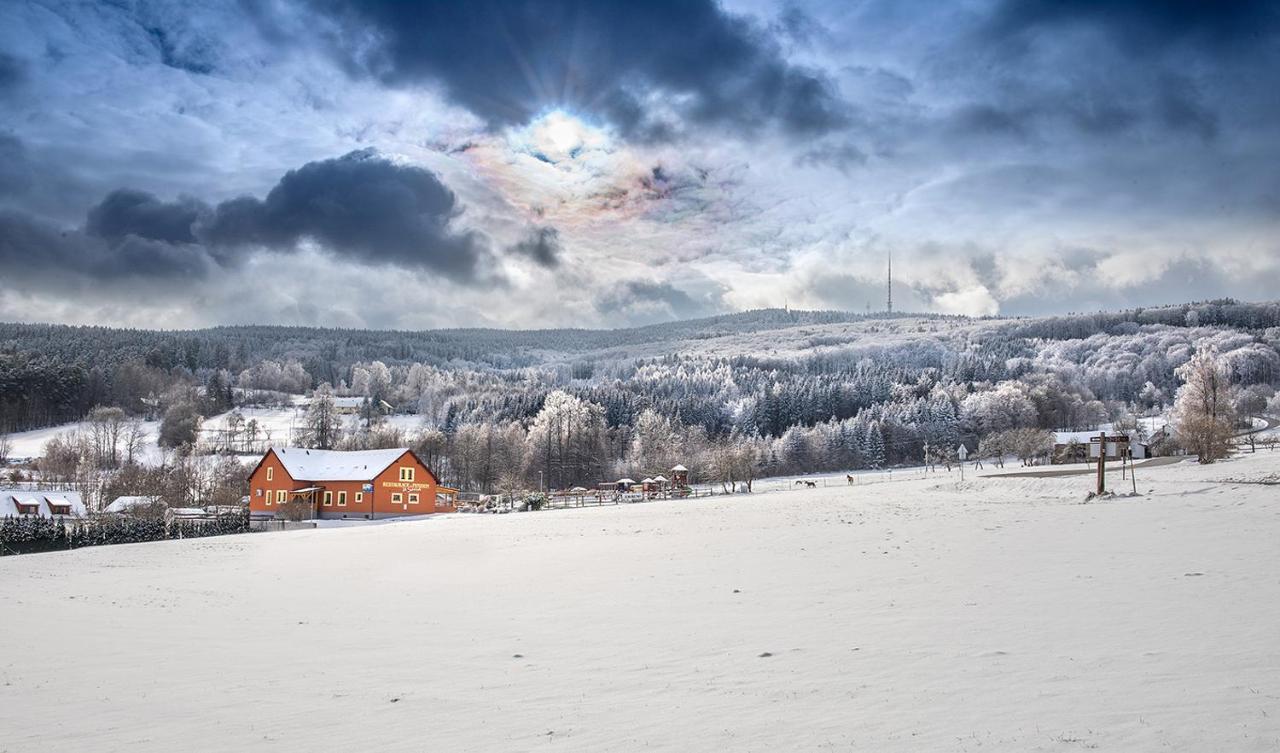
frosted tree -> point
(566, 441)
(873, 450)
(322, 427)
(655, 443)
(1202, 411)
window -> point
(328, 499)
(271, 473)
(406, 474)
(280, 494)
(342, 499)
(413, 499)
(268, 497)
(258, 492)
(397, 498)
(359, 497)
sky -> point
(491, 163)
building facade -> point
(334, 484)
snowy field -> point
(914, 615)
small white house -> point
(41, 503)
(1078, 446)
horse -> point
(810, 484)
(848, 477)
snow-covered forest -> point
(738, 396)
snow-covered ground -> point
(997, 614)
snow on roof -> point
(679, 469)
(646, 480)
(348, 402)
(336, 465)
(1084, 437)
(127, 503)
(626, 481)
(43, 501)
(660, 479)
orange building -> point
(335, 484)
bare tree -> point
(6, 446)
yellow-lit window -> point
(271, 473)
(342, 499)
(413, 499)
(397, 498)
(280, 494)
(328, 499)
(406, 474)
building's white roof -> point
(1083, 437)
(336, 465)
(41, 499)
(348, 402)
(678, 468)
(626, 481)
(660, 479)
(127, 503)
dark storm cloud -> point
(1142, 25)
(843, 156)
(360, 206)
(16, 172)
(193, 58)
(33, 250)
(646, 301)
(508, 61)
(127, 212)
(13, 72)
(542, 246)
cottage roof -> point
(128, 503)
(336, 465)
(42, 500)
(678, 469)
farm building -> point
(351, 405)
(336, 484)
(41, 503)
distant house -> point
(351, 405)
(1080, 447)
(41, 503)
(336, 484)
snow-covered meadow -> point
(922, 614)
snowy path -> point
(997, 614)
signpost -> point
(1121, 442)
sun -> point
(559, 137)
(563, 131)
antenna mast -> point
(889, 286)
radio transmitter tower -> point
(888, 306)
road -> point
(1083, 469)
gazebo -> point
(680, 475)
